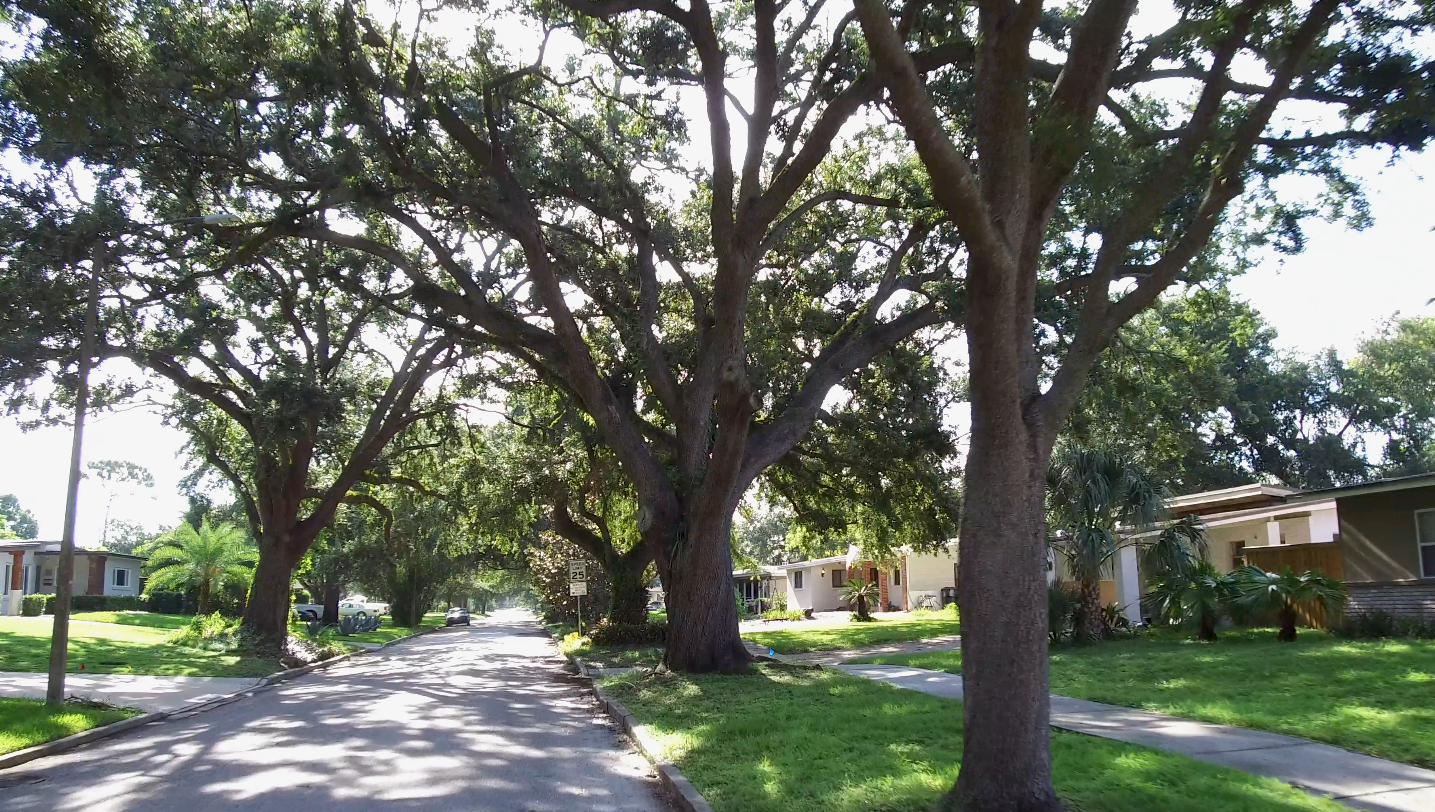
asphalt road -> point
(475, 719)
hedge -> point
(32, 605)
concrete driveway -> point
(474, 719)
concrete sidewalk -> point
(1353, 779)
(147, 693)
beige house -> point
(1378, 537)
(29, 568)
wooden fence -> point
(1323, 557)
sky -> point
(1340, 289)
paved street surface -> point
(477, 719)
(128, 690)
(1357, 780)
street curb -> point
(678, 786)
(68, 743)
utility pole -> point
(65, 576)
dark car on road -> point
(456, 616)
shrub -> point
(213, 632)
(948, 611)
(32, 605)
(548, 562)
(782, 614)
(628, 634)
(1377, 623)
(1061, 604)
(166, 602)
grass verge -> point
(120, 648)
(845, 634)
(1371, 696)
(28, 722)
(797, 740)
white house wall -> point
(927, 574)
(133, 584)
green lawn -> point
(1372, 696)
(27, 722)
(798, 740)
(844, 634)
(149, 620)
(119, 648)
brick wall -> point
(1415, 600)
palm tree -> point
(1094, 497)
(1287, 594)
(859, 592)
(207, 558)
(1201, 595)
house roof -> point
(775, 572)
(1230, 496)
(1398, 483)
(41, 547)
(816, 562)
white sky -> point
(1337, 291)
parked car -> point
(349, 607)
(455, 616)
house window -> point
(121, 578)
(897, 577)
(839, 578)
(47, 578)
(797, 579)
(1425, 532)
(872, 575)
(1238, 554)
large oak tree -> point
(1011, 139)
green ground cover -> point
(844, 634)
(1371, 696)
(796, 740)
(27, 722)
(386, 632)
(149, 620)
(119, 648)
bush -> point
(166, 602)
(1377, 624)
(782, 614)
(1061, 605)
(32, 605)
(948, 611)
(628, 634)
(548, 562)
(213, 632)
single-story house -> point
(1378, 537)
(913, 579)
(29, 568)
(757, 586)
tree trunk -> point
(330, 600)
(1006, 761)
(267, 615)
(204, 593)
(1091, 625)
(628, 595)
(1206, 628)
(1288, 623)
(702, 616)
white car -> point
(349, 607)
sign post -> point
(578, 585)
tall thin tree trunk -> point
(204, 593)
(1091, 625)
(1288, 624)
(1006, 762)
(702, 617)
(330, 600)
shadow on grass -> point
(148, 620)
(836, 636)
(28, 722)
(803, 740)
